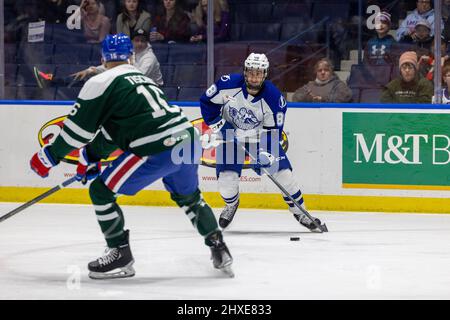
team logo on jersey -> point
(282, 102)
(49, 131)
(210, 142)
(225, 77)
(243, 118)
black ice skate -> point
(115, 263)
(220, 255)
(308, 223)
(227, 215)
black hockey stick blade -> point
(37, 199)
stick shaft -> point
(284, 190)
(37, 199)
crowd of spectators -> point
(185, 21)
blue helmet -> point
(116, 47)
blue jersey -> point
(229, 99)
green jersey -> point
(122, 108)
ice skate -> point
(307, 222)
(220, 255)
(115, 263)
(227, 215)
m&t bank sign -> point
(396, 150)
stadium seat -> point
(298, 32)
(292, 12)
(167, 71)
(252, 12)
(331, 9)
(72, 54)
(10, 53)
(10, 74)
(170, 92)
(367, 76)
(63, 35)
(96, 55)
(35, 53)
(273, 50)
(190, 76)
(230, 53)
(370, 95)
(161, 51)
(260, 31)
(356, 94)
(64, 93)
(223, 70)
(25, 75)
(35, 93)
(235, 32)
(10, 93)
(187, 53)
(190, 94)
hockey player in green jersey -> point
(123, 108)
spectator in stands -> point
(325, 88)
(221, 21)
(446, 87)
(17, 30)
(426, 62)
(95, 25)
(410, 87)
(54, 11)
(144, 60)
(172, 25)
(132, 17)
(446, 16)
(422, 39)
(423, 11)
(378, 49)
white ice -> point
(44, 251)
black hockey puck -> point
(295, 238)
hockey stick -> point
(37, 199)
(322, 228)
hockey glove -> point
(86, 169)
(223, 129)
(265, 160)
(42, 161)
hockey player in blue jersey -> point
(242, 108)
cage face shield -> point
(256, 68)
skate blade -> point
(228, 271)
(125, 272)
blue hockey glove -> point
(86, 169)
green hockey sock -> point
(198, 211)
(109, 215)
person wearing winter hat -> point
(379, 48)
(410, 87)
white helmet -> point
(257, 61)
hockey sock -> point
(109, 215)
(198, 211)
(297, 197)
(287, 180)
(229, 187)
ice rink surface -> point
(44, 251)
